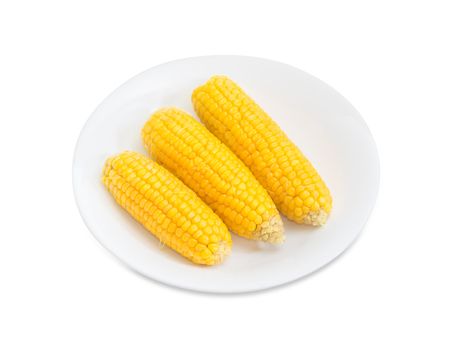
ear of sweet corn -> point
(292, 182)
(167, 208)
(185, 147)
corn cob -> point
(290, 179)
(167, 208)
(185, 147)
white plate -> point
(322, 123)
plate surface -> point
(324, 125)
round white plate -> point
(324, 125)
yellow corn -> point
(292, 182)
(167, 208)
(185, 147)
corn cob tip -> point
(316, 218)
(272, 231)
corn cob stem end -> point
(271, 231)
(223, 251)
(316, 218)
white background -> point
(396, 61)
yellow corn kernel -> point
(232, 116)
(186, 148)
(157, 199)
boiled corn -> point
(167, 208)
(290, 179)
(186, 148)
